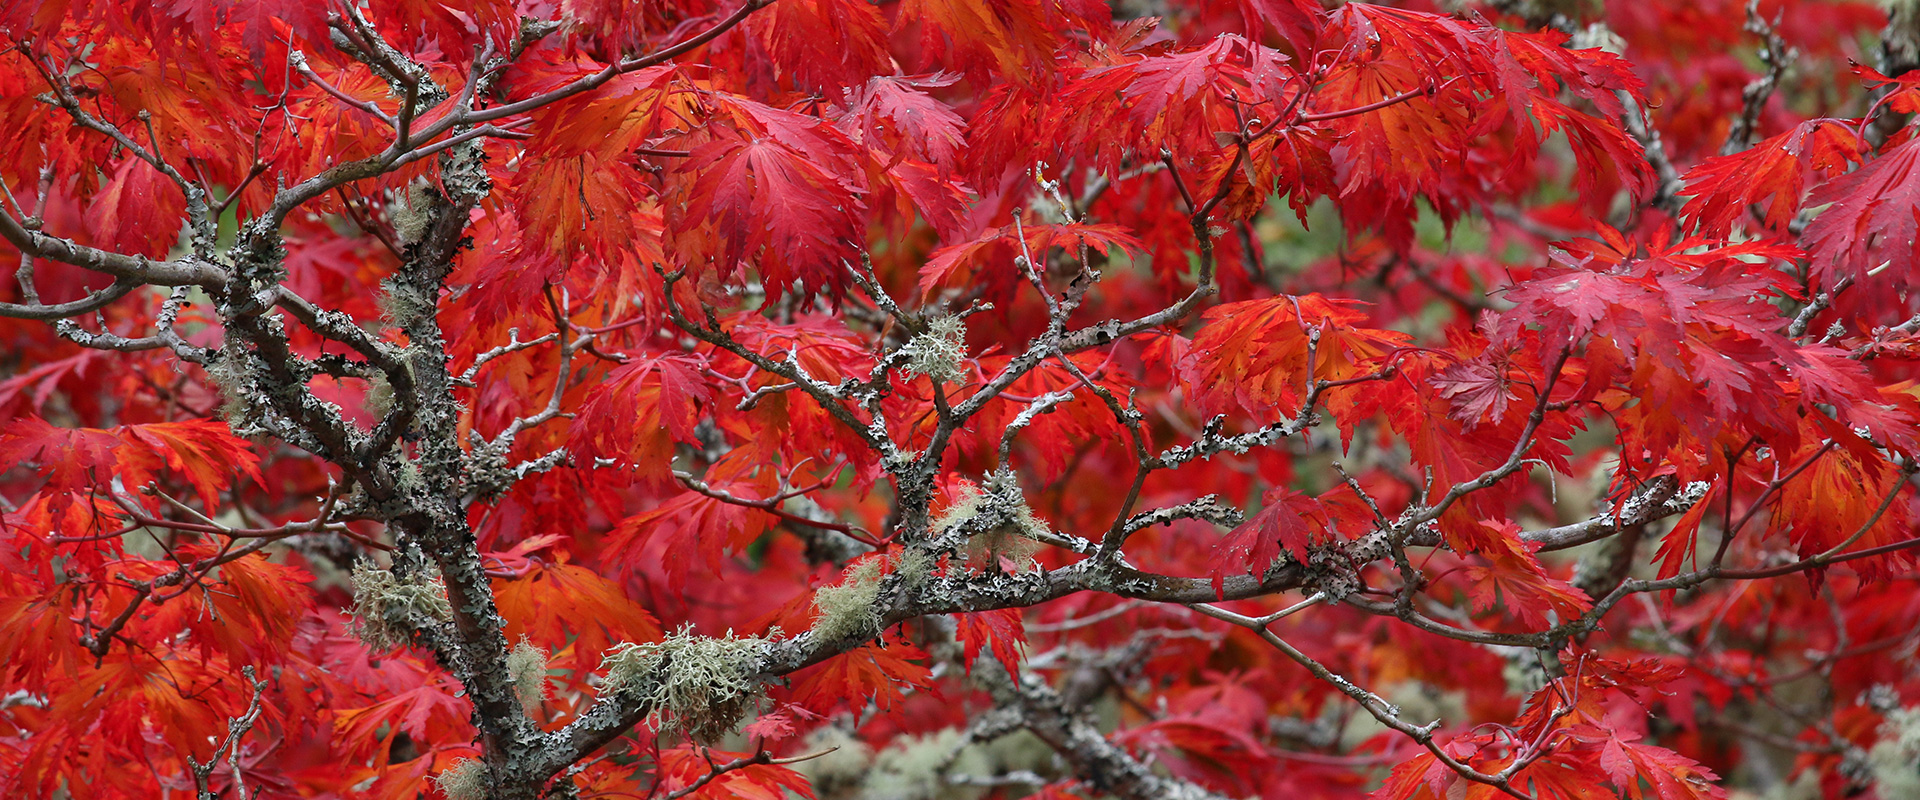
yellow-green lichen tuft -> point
(697, 685)
(847, 610)
(1000, 523)
(916, 768)
(465, 780)
(527, 665)
(388, 609)
(851, 608)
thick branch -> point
(135, 269)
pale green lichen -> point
(940, 353)
(912, 565)
(403, 303)
(1598, 36)
(1895, 759)
(1412, 700)
(379, 396)
(900, 460)
(1523, 671)
(1804, 787)
(848, 609)
(387, 609)
(1003, 541)
(230, 372)
(916, 768)
(412, 214)
(465, 780)
(1000, 523)
(845, 763)
(527, 665)
(966, 505)
(697, 685)
(1018, 751)
(933, 766)
(851, 609)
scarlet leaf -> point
(683, 769)
(203, 451)
(867, 673)
(1254, 354)
(690, 524)
(993, 252)
(556, 605)
(1290, 521)
(71, 458)
(1772, 174)
(1002, 631)
(1525, 590)
(898, 114)
(1870, 220)
(825, 43)
(643, 407)
(793, 210)
(139, 211)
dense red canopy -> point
(959, 398)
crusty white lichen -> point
(465, 780)
(387, 609)
(696, 685)
(940, 353)
(1895, 759)
(527, 665)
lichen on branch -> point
(699, 686)
(390, 610)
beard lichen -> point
(413, 213)
(388, 609)
(527, 665)
(379, 396)
(700, 686)
(231, 372)
(465, 780)
(847, 610)
(404, 303)
(939, 353)
(931, 766)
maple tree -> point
(959, 398)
